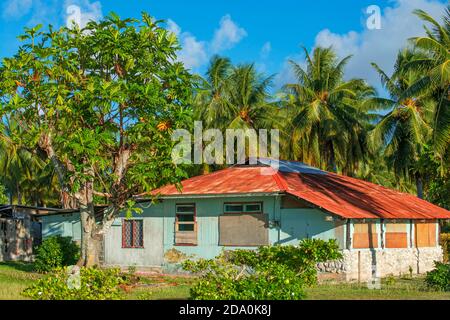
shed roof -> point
(337, 194)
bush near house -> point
(439, 278)
(271, 272)
(91, 284)
(445, 243)
(56, 252)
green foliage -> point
(445, 243)
(3, 197)
(100, 103)
(271, 272)
(56, 252)
(439, 278)
(94, 284)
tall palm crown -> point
(233, 96)
(329, 118)
(435, 69)
(404, 130)
(211, 96)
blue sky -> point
(268, 33)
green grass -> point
(16, 276)
(391, 289)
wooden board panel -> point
(425, 234)
(363, 227)
(395, 227)
(243, 230)
(365, 240)
(186, 237)
(396, 240)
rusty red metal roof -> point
(231, 180)
(341, 195)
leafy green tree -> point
(404, 130)
(100, 103)
(3, 197)
(329, 114)
(212, 105)
(27, 177)
(434, 69)
(234, 97)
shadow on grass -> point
(18, 265)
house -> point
(20, 231)
(380, 231)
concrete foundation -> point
(366, 264)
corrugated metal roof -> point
(338, 194)
(231, 180)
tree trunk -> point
(67, 200)
(419, 185)
(331, 159)
(89, 243)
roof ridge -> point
(279, 180)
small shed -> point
(21, 231)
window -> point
(251, 207)
(185, 225)
(396, 235)
(133, 234)
(365, 235)
(425, 235)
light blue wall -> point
(208, 211)
(295, 225)
(66, 225)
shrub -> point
(56, 252)
(271, 272)
(91, 284)
(445, 243)
(439, 278)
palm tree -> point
(232, 97)
(434, 66)
(211, 95)
(26, 177)
(329, 118)
(248, 99)
(404, 130)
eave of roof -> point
(337, 194)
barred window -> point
(185, 225)
(133, 234)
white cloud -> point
(398, 23)
(16, 8)
(228, 35)
(173, 27)
(286, 74)
(81, 12)
(265, 50)
(195, 53)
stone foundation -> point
(366, 264)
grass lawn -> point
(16, 276)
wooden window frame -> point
(133, 228)
(177, 223)
(243, 207)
